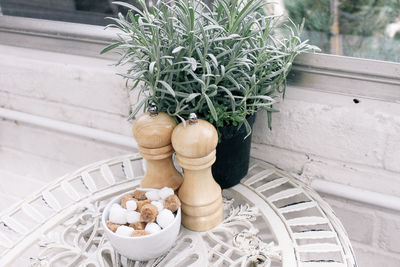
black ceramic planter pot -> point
(233, 155)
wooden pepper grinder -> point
(200, 195)
(152, 131)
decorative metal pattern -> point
(271, 219)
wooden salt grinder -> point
(200, 195)
(152, 131)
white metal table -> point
(271, 219)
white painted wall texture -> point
(316, 135)
(74, 89)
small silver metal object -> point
(192, 118)
(153, 110)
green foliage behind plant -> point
(362, 25)
(222, 62)
(316, 12)
(356, 17)
(226, 118)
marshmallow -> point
(172, 203)
(148, 213)
(166, 192)
(158, 204)
(115, 206)
(132, 216)
(165, 218)
(117, 214)
(126, 198)
(153, 195)
(131, 205)
(152, 228)
(138, 225)
(139, 195)
(124, 230)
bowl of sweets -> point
(143, 224)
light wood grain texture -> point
(200, 195)
(153, 135)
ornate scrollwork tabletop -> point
(270, 219)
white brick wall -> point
(57, 146)
(320, 135)
(30, 185)
(374, 232)
(65, 79)
(392, 154)
(70, 88)
(75, 89)
(31, 165)
(389, 226)
(64, 112)
(372, 257)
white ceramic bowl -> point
(142, 248)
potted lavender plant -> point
(223, 62)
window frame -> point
(368, 78)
